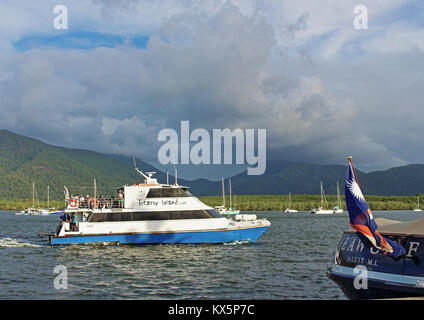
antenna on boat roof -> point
(176, 175)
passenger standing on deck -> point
(82, 201)
(75, 221)
(71, 222)
(121, 198)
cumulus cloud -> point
(217, 66)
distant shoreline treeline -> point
(308, 202)
(264, 202)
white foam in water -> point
(13, 243)
(237, 242)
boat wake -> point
(234, 243)
(13, 243)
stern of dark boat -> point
(362, 272)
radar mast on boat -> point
(148, 176)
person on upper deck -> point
(121, 198)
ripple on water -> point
(288, 262)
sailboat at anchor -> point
(288, 209)
(418, 209)
(322, 209)
(37, 210)
(223, 209)
(338, 208)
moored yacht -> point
(223, 209)
(37, 211)
(152, 213)
(288, 209)
(418, 209)
(323, 209)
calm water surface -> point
(288, 262)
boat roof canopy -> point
(386, 226)
(396, 227)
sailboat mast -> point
(33, 194)
(48, 197)
(223, 192)
(323, 199)
(339, 203)
(230, 194)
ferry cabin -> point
(141, 203)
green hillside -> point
(24, 160)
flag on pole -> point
(361, 218)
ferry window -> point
(158, 215)
(152, 216)
(199, 214)
(181, 193)
(162, 215)
(126, 216)
(154, 193)
(98, 217)
(214, 213)
(168, 192)
(176, 215)
(114, 216)
(188, 214)
(138, 216)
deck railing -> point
(96, 203)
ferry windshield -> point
(167, 193)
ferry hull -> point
(216, 236)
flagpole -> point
(353, 169)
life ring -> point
(74, 203)
(95, 203)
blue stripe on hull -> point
(251, 234)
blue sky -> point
(124, 70)
(82, 40)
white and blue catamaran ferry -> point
(151, 213)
